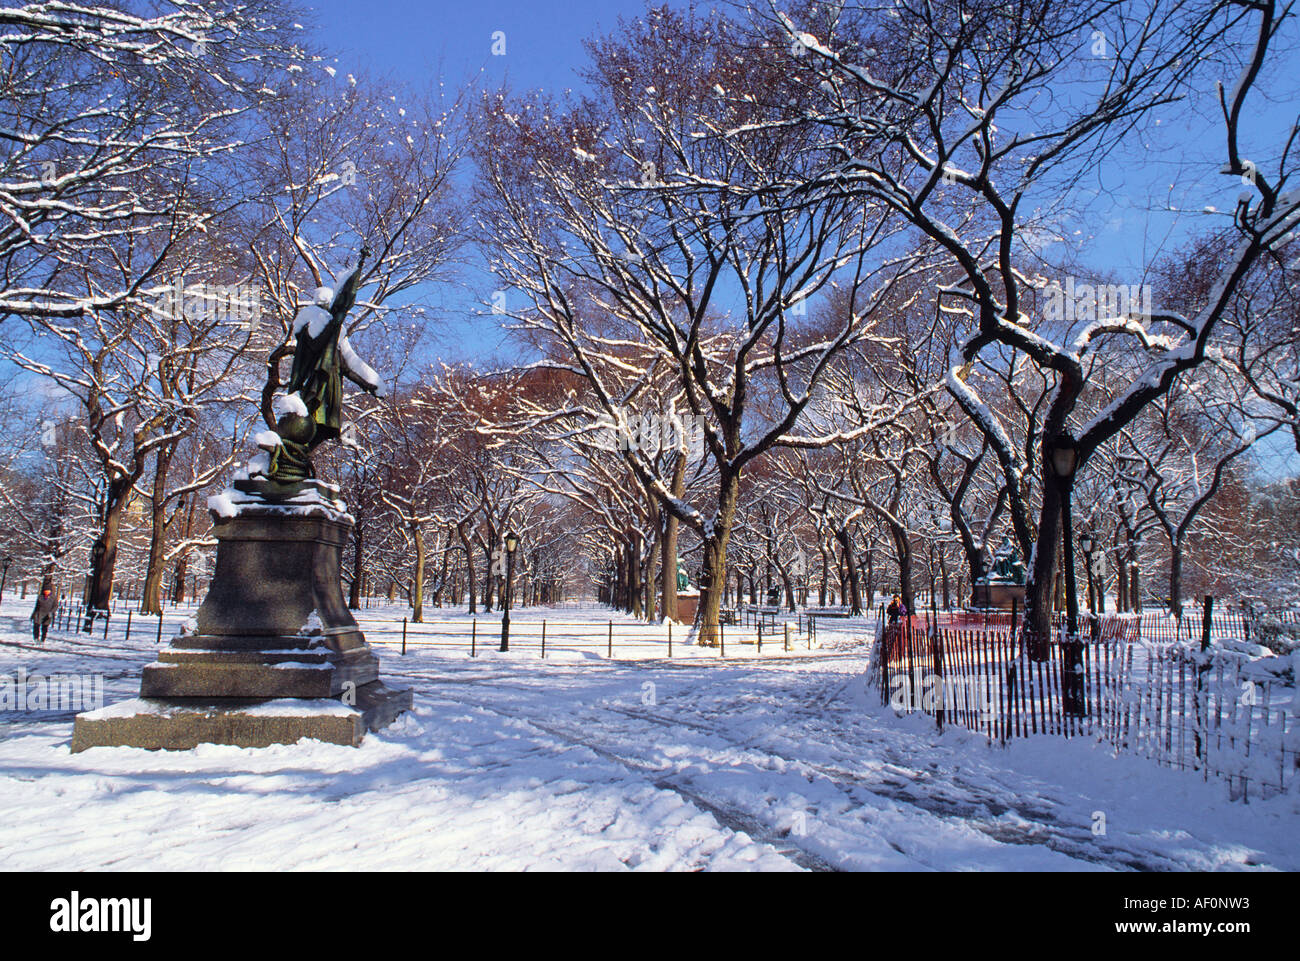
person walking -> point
(896, 610)
(46, 604)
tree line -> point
(808, 297)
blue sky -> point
(416, 39)
(419, 42)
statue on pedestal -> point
(273, 653)
(1007, 566)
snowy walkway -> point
(578, 762)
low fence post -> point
(670, 639)
(787, 636)
(722, 639)
(610, 650)
(473, 638)
(760, 636)
(128, 625)
(543, 638)
(158, 639)
(403, 635)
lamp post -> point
(1065, 459)
(1086, 545)
(512, 543)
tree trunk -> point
(1176, 576)
(650, 578)
(715, 560)
(152, 601)
(668, 546)
(1042, 573)
(178, 586)
(489, 581)
(354, 590)
(846, 548)
(789, 589)
(469, 566)
(442, 577)
(634, 573)
(903, 556)
(99, 594)
(417, 589)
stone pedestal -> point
(275, 654)
(997, 594)
(688, 603)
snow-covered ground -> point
(509, 761)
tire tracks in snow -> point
(735, 819)
(960, 800)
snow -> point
(222, 505)
(359, 368)
(582, 763)
(289, 404)
(259, 464)
(307, 503)
(312, 317)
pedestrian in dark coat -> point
(896, 610)
(46, 604)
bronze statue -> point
(1007, 567)
(309, 412)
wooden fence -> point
(1215, 711)
(610, 639)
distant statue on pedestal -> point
(1007, 566)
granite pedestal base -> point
(999, 596)
(274, 654)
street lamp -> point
(512, 544)
(1065, 460)
(1086, 544)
